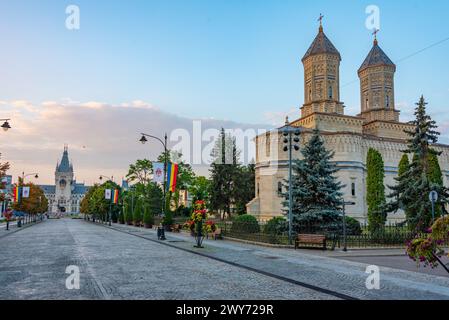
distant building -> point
(66, 195)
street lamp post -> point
(109, 178)
(110, 200)
(36, 176)
(161, 233)
(291, 134)
(347, 203)
(5, 126)
(164, 144)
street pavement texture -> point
(125, 262)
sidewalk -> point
(313, 267)
(13, 228)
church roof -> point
(376, 57)
(64, 165)
(48, 189)
(80, 188)
(321, 45)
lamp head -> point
(143, 140)
(6, 126)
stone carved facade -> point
(350, 137)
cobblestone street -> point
(115, 264)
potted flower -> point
(198, 217)
(428, 248)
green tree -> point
(36, 202)
(244, 187)
(140, 171)
(224, 171)
(413, 186)
(148, 218)
(317, 198)
(138, 212)
(375, 190)
(200, 189)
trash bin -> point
(160, 233)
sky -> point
(154, 66)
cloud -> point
(102, 138)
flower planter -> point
(137, 224)
(148, 226)
(129, 223)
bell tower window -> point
(330, 92)
(387, 100)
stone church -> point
(350, 136)
(65, 196)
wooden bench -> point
(215, 235)
(310, 239)
(176, 228)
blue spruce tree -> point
(317, 199)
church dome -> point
(321, 45)
(376, 57)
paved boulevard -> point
(115, 264)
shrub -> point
(137, 218)
(121, 216)
(245, 224)
(353, 226)
(276, 225)
(128, 215)
(148, 217)
(168, 219)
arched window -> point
(366, 104)
(280, 188)
(387, 100)
(331, 93)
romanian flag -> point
(172, 174)
(17, 193)
(115, 197)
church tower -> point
(321, 77)
(377, 86)
(64, 181)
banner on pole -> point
(26, 192)
(107, 194)
(115, 197)
(158, 172)
(16, 194)
(172, 176)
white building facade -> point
(65, 196)
(350, 137)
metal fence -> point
(357, 237)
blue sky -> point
(224, 59)
(210, 59)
